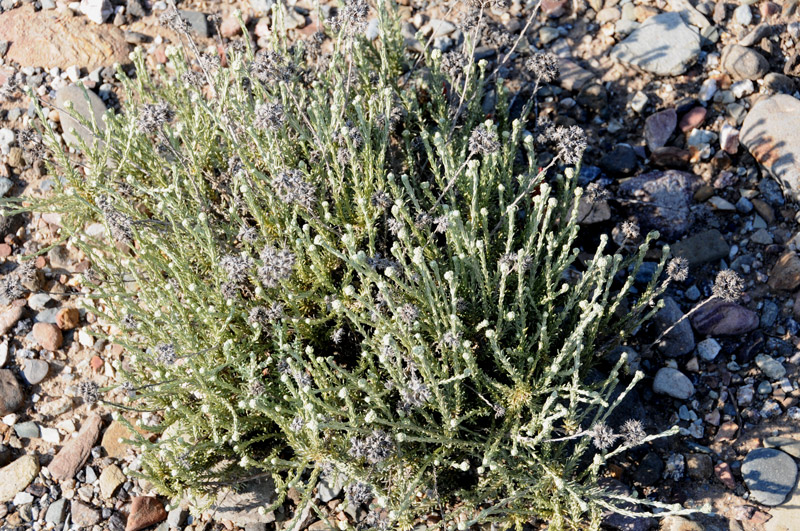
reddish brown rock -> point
(5, 250)
(722, 318)
(785, 275)
(723, 472)
(48, 336)
(68, 318)
(72, 456)
(48, 38)
(692, 119)
(145, 511)
(554, 8)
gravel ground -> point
(692, 113)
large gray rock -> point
(721, 318)
(660, 200)
(664, 45)
(92, 110)
(769, 474)
(769, 132)
(702, 248)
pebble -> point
(721, 318)
(73, 455)
(9, 317)
(620, 161)
(11, 398)
(48, 336)
(50, 435)
(111, 440)
(769, 474)
(56, 512)
(762, 237)
(663, 45)
(745, 394)
(97, 11)
(744, 63)
(672, 382)
(145, 511)
(658, 128)
(68, 318)
(16, 476)
(5, 186)
(84, 515)
(772, 368)
(55, 407)
(198, 22)
(35, 371)
(742, 15)
(708, 349)
(110, 480)
(729, 139)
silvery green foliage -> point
(332, 272)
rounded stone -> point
(769, 474)
(672, 382)
(744, 63)
(35, 371)
(48, 336)
(68, 318)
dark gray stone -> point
(620, 161)
(27, 430)
(721, 318)
(198, 22)
(679, 340)
(649, 470)
(660, 200)
(658, 128)
(769, 474)
(702, 248)
(744, 63)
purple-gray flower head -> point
(291, 187)
(278, 265)
(543, 66)
(269, 116)
(153, 116)
(236, 267)
(165, 353)
(89, 391)
(483, 141)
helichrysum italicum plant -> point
(332, 263)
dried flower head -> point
(507, 261)
(31, 141)
(165, 353)
(291, 187)
(602, 436)
(172, 19)
(543, 67)
(678, 269)
(269, 116)
(337, 336)
(153, 116)
(633, 432)
(278, 265)
(89, 391)
(571, 143)
(271, 67)
(352, 18)
(247, 234)
(194, 79)
(381, 199)
(408, 313)
(630, 229)
(728, 285)
(257, 388)
(596, 192)
(414, 395)
(378, 447)
(11, 289)
(297, 424)
(358, 493)
(483, 141)
(236, 267)
(120, 225)
(442, 223)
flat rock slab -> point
(242, 507)
(16, 477)
(49, 38)
(769, 132)
(769, 474)
(664, 45)
(790, 446)
(72, 456)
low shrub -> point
(328, 260)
